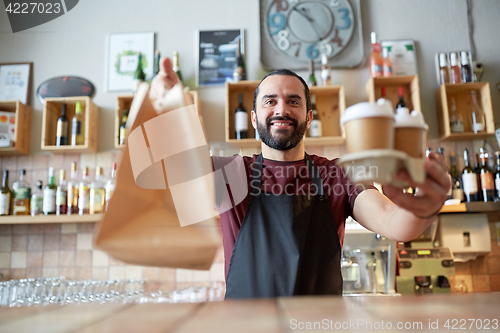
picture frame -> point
(122, 58)
(403, 55)
(15, 81)
(217, 55)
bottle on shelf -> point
(97, 193)
(84, 193)
(156, 67)
(440, 151)
(110, 186)
(444, 74)
(62, 128)
(176, 67)
(401, 102)
(383, 92)
(311, 81)
(6, 196)
(497, 176)
(240, 72)
(456, 119)
(37, 200)
(123, 128)
(469, 180)
(241, 120)
(428, 151)
(477, 115)
(73, 191)
(486, 176)
(376, 61)
(139, 75)
(466, 68)
(77, 132)
(454, 68)
(49, 194)
(22, 195)
(477, 171)
(387, 67)
(326, 71)
(456, 179)
(315, 131)
(62, 194)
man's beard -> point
(284, 142)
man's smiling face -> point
(281, 114)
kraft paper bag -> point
(148, 223)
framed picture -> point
(15, 82)
(403, 56)
(217, 55)
(123, 50)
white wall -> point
(75, 44)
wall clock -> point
(294, 31)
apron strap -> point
(256, 182)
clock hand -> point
(310, 19)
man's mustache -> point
(285, 118)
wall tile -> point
(151, 286)
(493, 265)
(100, 258)
(68, 228)
(464, 279)
(34, 259)
(84, 241)
(18, 273)
(52, 228)
(35, 229)
(5, 260)
(37, 175)
(34, 272)
(68, 272)
(201, 276)
(41, 162)
(18, 259)
(25, 162)
(5, 243)
(479, 266)
(50, 272)
(68, 159)
(183, 285)
(100, 273)
(84, 258)
(151, 273)
(5, 229)
(167, 286)
(19, 243)
(133, 272)
(184, 275)
(57, 162)
(68, 242)
(481, 282)
(5, 274)
(10, 163)
(51, 259)
(115, 262)
(83, 273)
(20, 229)
(51, 242)
(35, 242)
(167, 274)
(495, 282)
(85, 227)
(67, 258)
(104, 161)
(87, 160)
(462, 268)
(117, 272)
(217, 272)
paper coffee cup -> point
(369, 126)
(410, 132)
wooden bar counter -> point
(436, 313)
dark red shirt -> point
(290, 178)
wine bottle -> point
(387, 67)
(456, 181)
(477, 171)
(477, 114)
(62, 128)
(49, 194)
(454, 69)
(176, 67)
(440, 151)
(123, 128)
(311, 81)
(315, 130)
(376, 61)
(139, 75)
(456, 119)
(444, 74)
(110, 186)
(486, 175)
(156, 67)
(469, 180)
(62, 194)
(37, 200)
(6, 195)
(240, 72)
(77, 133)
(97, 193)
(326, 71)
(73, 191)
(22, 195)
(241, 120)
(497, 176)
(383, 92)
(401, 102)
(84, 193)
(466, 69)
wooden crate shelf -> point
(28, 219)
(330, 103)
(462, 94)
(52, 111)
(22, 128)
(410, 87)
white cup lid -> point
(383, 108)
(406, 119)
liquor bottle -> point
(456, 179)
(456, 119)
(6, 195)
(37, 200)
(139, 75)
(469, 180)
(176, 67)
(240, 72)
(497, 176)
(383, 92)
(315, 129)
(97, 193)
(444, 74)
(376, 61)
(440, 151)
(241, 120)
(466, 69)
(73, 191)
(22, 195)
(326, 71)
(77, 132)
(477, 114)
(454, 69)
(123, 128)
(428, 151)
(156, 67)
(49, 194)
(401, 102)
(62, 194)
(311, 81)
(84, 193)
(387, 65)
(110, 186)
(486, 175)
(62, 128)
(477, 171)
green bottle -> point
(6, 195)
(139, 75)
(157, 63)
(49, 194)
(312, 78)
(176, 67)
(123, 129)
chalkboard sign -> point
(217, 56)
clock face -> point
(304, 30)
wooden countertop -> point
(354, 313)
